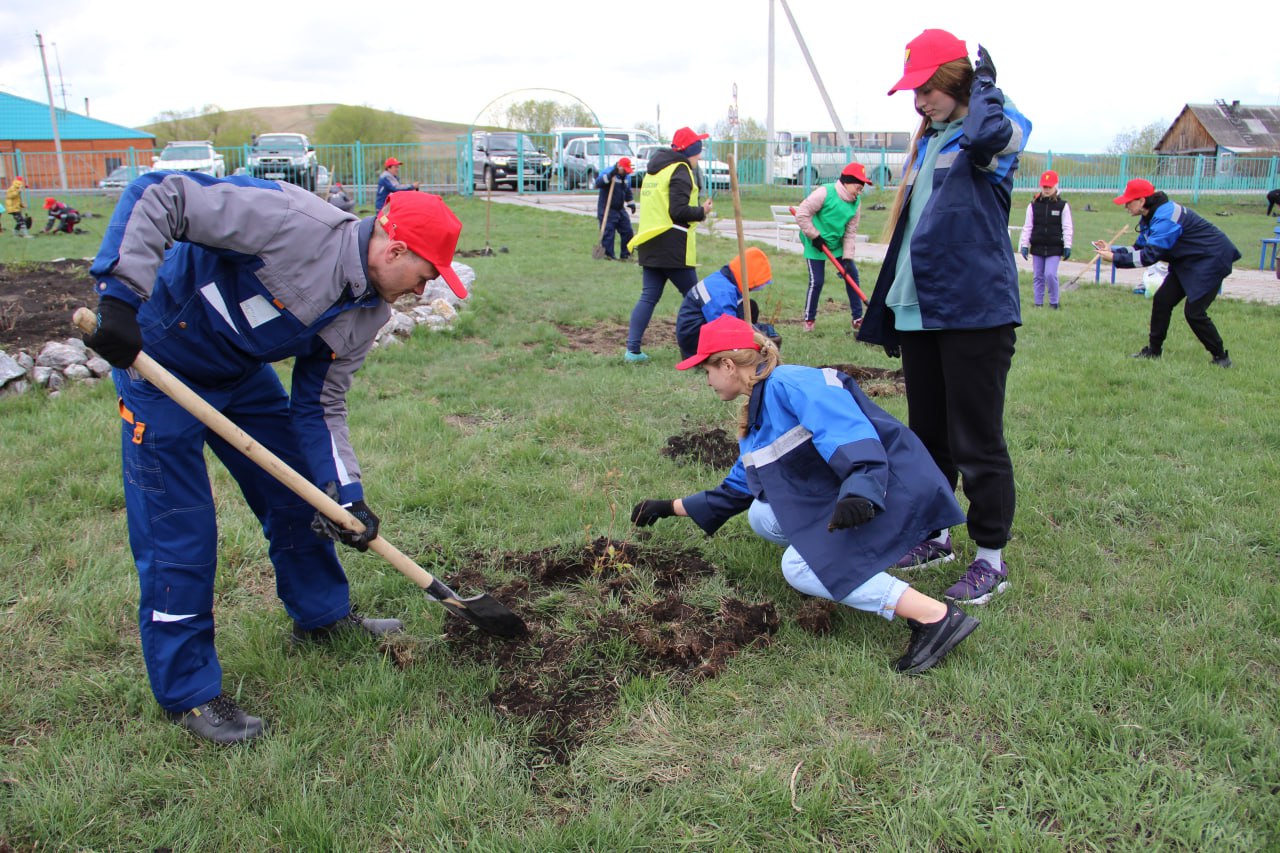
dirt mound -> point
(37, 301)
(710, 446)
(611, 339)
(874, 381)
(598, 617)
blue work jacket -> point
(814, 438)
(1197, 252)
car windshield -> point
(614, 147)
(507, 142)
(185, 152)
(281, 143)
(119, 172)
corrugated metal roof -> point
(1237, 126)
(22, 118)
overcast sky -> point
(1082, 71)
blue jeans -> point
(652, 281)
(879, 594)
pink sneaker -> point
(808, 325)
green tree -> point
(347, 125)
(208, 122)
(1138, 140)
(533, 116)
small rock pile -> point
(60, 362)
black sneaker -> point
(1146, 352)
(352, 622)
(219, 720)
(930, 643)
(1223, 361)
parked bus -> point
(811, 157)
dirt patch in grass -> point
(598, 617)
(710, 446)
(37, 301)
(611, 338)
(874, 381)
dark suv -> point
(284, 157)
(498, 157)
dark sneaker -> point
(931, 642)
(927, 553)
(981, 583)
(1223, 361)
(1146, 352)
(219, 720)
(346, 626)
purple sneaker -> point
(980, 583)
(926, 553)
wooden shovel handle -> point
(158, 376)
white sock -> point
(991, 555)
(943, 538)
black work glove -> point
(328, 529)
(818, 242)
(984, 68)
(893, 351)
(647, 512)
(851, 511)
(631, 206)
(117, 338)
(1066, 254)
(1026, 253)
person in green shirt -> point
(829, 217)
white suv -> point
(191, 157)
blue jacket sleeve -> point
(1151, 244)
(710, 509)
(723, 297)
(995, 132)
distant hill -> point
(303, 118)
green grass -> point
(1121, 696)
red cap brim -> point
(451, 278)
(693, 361)
(914, 79)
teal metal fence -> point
(458, 168)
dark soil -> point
(710, 446)
(874, 381)
(37, 301)
(598, 617)
(611, 339)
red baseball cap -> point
(20, 179)
(624, 163)
(428, 228)
(391, 161)
(856, 171)
(1137, 188)
(925, 53)
(725, 332)
(685, 137)
(49, 202)
(1049, 179)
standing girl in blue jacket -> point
(947, 295)
(825, 472)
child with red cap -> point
(14, 204)
(1046, 238)
(62, 217)
(829, 217)
(947, 296)
(219, 279)
(614, 185)
(823, 471)
(1199, 257)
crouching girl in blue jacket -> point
(846, 487)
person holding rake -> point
(823, 471)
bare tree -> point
(1138, 140)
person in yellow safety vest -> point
(829, 217)
(666, 243)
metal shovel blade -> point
(598, 252)
(484, 611)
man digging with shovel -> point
(258, 271)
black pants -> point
(955, 404)
(1196, 312)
